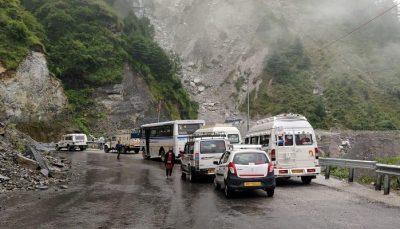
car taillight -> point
(316, 153)
(232, 168)
(311, 170)
(273, 155)
(270, 167)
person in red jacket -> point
(169, 162)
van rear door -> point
(211, 150)
(285, 150)
(305, 149)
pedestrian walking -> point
(169, 162)
(119, 148)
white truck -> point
(130, 141)
(290, 142)
(72, 142)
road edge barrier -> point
(383, 171)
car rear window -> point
(250, 158)
(80, 137)
(212, 146)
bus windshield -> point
(184, 129)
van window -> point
(246, 141)
(250, 158)
(303, 139)
(264, 140)
(79, 137)
(286, 140)
(233, 138)
(212, 146)
(254, 140)
(68, 138)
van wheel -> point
(217, 186)
(192, 176)
(183, 176)
(270, 192)
(227, 191)
(162, 154)
(306, 180)
(106, 149)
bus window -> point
(254, 140)
(303, 139)
(264, 140)
(184, 129)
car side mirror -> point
(215, 163)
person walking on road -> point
(119, 148)
(169, 162)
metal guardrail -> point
(382, 170)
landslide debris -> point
(28, 165)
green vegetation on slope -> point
(88, 44)
(19, 33)
(356, 81)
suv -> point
(199, 154)
(243, 169)
(72, 141)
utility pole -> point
(159, 110)
(248, 102)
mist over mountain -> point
(284, 48)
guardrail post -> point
(378, 183)
(327, 172)
(351, 174)
(386, 184)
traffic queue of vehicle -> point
(281, 146)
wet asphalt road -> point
(133, 193)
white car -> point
(72, 141)
(244, 169)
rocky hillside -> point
(279, 49)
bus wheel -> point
(162, 154)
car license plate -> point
(252, 184)
(297, 171)
(211, 171)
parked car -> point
(199, 154)
(72, 142)
(244, 169)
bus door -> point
(285, 149)
(147, 136)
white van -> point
(290, 142)
(199, 154)
(72, 141)
(231, 133)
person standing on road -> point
(119, 148)
(169, 162)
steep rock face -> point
(123, 104)
(31, 93)
(219, 42)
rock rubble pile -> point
(26, 165)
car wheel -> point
(82, 148)
(306, 180)
(227, 191)
(183, 176)
(162, 154)
(217, 186)
(270, 192)
(58, 148)
(136, 151)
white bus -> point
(231, 133)
(158, 138)
(290, 142)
